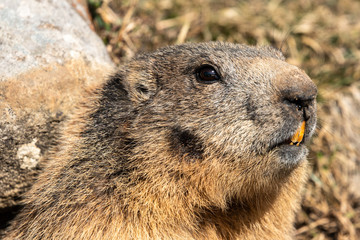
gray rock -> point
(37, 33)
(48, 55)
(28, 155)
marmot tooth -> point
(299, 135)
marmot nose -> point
(297, 89)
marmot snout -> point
(195, 141)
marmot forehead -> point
(173, 63)
(230, 49)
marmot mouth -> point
(297, 138)
(292, 150)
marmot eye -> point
(207, 74)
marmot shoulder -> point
(194, 141)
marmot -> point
(194, 141)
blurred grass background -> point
(320, 36)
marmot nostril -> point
(304, 107)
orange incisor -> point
(298, 136)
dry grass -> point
(331, 206)
(320, 36)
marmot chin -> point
(194, 141)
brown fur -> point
(157, 154)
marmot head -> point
(219, 110)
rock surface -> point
(48, 55)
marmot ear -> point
(142, 84)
